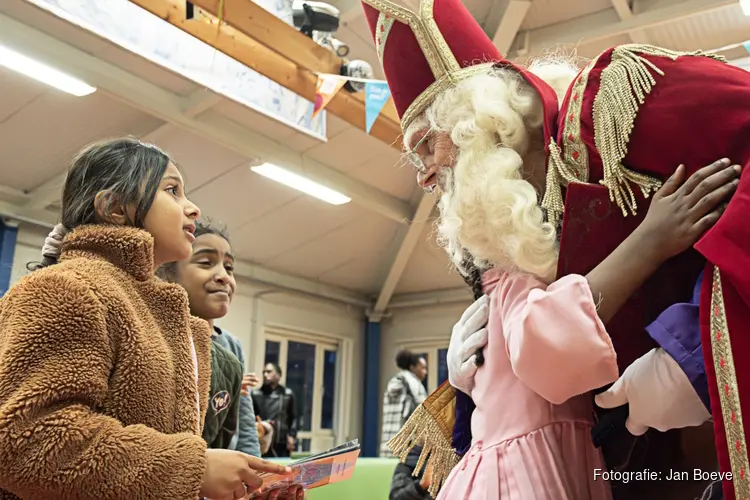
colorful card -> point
(331, 466)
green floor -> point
(371, 481)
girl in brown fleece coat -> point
(103, 372)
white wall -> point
(257, 308)
(428, 325)
(253, 310)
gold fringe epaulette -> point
(431, 426)
(625, 83)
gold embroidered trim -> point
(559, 174)
(729, 396)
(423, 101)
(576, 153)
(431, 426)
(573, 166)
(443, 64)
(625, 83)
(382, 29)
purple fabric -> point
(677, 331)
(462, 427)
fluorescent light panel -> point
(43, 73)
(745, 4)
(300, 183)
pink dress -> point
(532, 426)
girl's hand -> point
(232, 474)
(682, 211)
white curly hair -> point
(489, 214)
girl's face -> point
(208, 277)
(171, 219)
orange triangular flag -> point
(325, 90)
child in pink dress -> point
(548, 348)
(531, 427)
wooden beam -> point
(256, 22)
(269, 63)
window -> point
(310, 371)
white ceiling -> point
(348, 249)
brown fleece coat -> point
(97, 381)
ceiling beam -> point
(625, 12)
(426, 299)
(406, 242)
(277, 280)
(505, 20)
(249, 18)
(606, 24)
(301, 80)
(252, 272)
(168, 106)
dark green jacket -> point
(222, 415)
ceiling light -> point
(300, 183)
(745, 4)
(43, 73)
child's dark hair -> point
(406, 360)
(204, 225)
(127, 170)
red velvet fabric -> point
(726, 246)
(697, 113)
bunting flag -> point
(376, 95)
(325, 90)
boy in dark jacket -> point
(222, 415)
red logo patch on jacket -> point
(220, 401)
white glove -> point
(469, 334)
(659, 393)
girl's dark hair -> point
(205, 225)
(128, 170)
(406, 359)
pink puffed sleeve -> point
(556, 342)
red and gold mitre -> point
(424, 53)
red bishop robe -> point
(630, 118)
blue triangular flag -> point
(747, 47)
(376, 95)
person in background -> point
(208, 277)
(103, 372)
(275, 404)
(405, 485)
(402, 396)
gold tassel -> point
(625, 83)
(431, 426)
(558, 175)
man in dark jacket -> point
(275, 404)
(222, 414)
(405, 486)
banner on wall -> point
(376, 95)
(325, 90)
